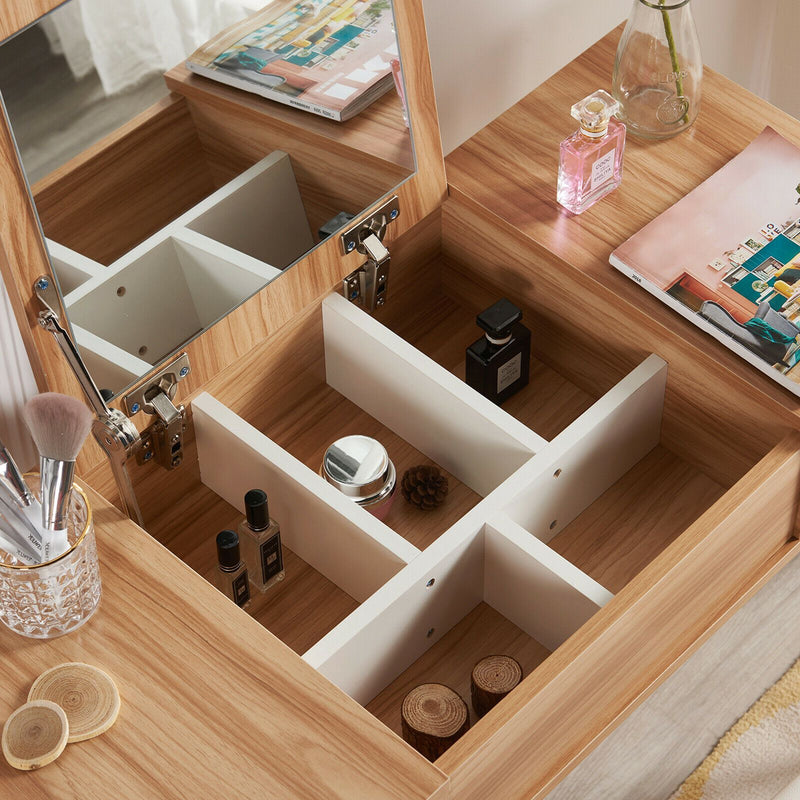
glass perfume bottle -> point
(260, 536)
(231, 575)
(498, 364)
(591, 159)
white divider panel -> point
(71, 268)
(386, 634)
(110, 366)
(536, 588)
(180, 287)
(421, 401)
(259, 213)
(338, 538)
(590, 455)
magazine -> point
(330, 57)
(727, 256)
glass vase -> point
(658, 72)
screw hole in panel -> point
(121, 291)
(430, 632)
(430, 582)
(553, 524)
(557, 473)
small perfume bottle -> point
(498, 364)
(261, 542)
(231, 572)
(591, 159)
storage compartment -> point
(181, 284)
(101, 203)
(484, 589)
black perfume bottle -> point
(498, 364)
(231, 575)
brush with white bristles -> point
(59, 425)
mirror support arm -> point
(114, 432)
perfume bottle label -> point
(271, 557)
(603, 169)
(509, 372)
(241, 589)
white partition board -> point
(590, 455)
(259, 213)
(536, 588)
(72, 269)
(401, 621)
(421, 401)
(338, 538)
(110, 366)
(178, 287)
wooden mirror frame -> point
(24, 257)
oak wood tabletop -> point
(213, 705)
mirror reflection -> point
(184, 153)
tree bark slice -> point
(493, 678)
(433, 718)
(35, 735)
(88, 695)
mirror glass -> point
(182, 154)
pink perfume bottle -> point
(591, 159)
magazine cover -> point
(727, 256)
(330, 57)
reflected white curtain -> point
(17, 385)
(124, 40)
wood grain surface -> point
(378, 131)
(508, 231)
(24, 257)
(212, 704)
(642, 633)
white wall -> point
(486, 56)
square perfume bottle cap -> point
(498, 318)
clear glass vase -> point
(658, 72)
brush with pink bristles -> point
(59, 425)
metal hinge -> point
(163, 440)
(369, 284)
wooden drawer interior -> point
(100, 203)
(558, 501)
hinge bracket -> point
(369, 284)
(163, 440)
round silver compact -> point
(360, 467)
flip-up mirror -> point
(182, 155)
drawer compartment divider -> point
(421, 401)
(329, 531)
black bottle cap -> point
(228, 549)
(498, 318)
(257, 509)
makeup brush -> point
(59, 425)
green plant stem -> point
(673, 53)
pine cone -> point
(424, 487)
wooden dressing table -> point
(214, 704)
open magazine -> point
(330, 57)
(727, 256)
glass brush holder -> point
(46, 600)
(658, 71)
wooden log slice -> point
(433, 718)
(87, 694)
(35, 735)
(493, 678)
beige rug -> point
(759, 757)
